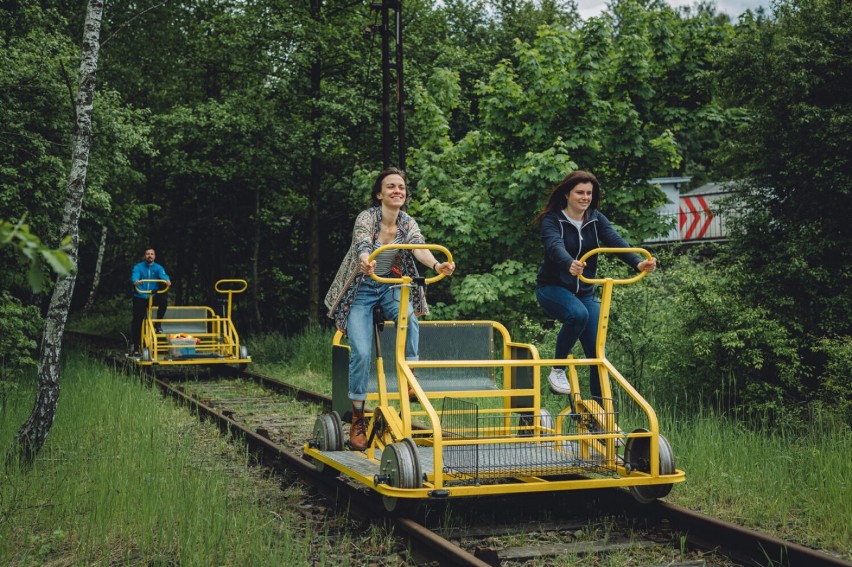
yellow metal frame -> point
(396, 411)
(221, 340)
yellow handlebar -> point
(431, 280)
(635, 278)
(150, 291)
(244, 284)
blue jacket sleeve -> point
(554, 245)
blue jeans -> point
(579, 317)
(359, 328)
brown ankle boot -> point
(412, 395)
(358, 431)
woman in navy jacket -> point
(571, 225)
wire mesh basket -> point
(480, 445)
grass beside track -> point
(791, 483)
(129, 478)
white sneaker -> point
(559, 382)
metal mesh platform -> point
(509, 455)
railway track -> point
(600, 527)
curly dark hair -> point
(377, 186)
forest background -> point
(240, 138)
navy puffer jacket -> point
(562, 245)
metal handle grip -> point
(635, 278)
(431, 280)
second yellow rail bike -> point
(192, 334)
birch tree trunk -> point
(33, 433)
(98, 265)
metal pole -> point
(400, 93)
(387, 143)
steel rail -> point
(367, 508)
(740, 543)
(703, 532)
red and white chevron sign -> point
(695, 218)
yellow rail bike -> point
(193, 334)
(476, 424)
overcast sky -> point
(733, 8)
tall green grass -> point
(302, 360)
(109, 317)
(121, 480)
(793, 483)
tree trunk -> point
(34, 431)
(98, 265)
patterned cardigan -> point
(345, 286)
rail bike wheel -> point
(400, 465)
(145, 354)
(243, 354)
(637, 456)
(328, 435)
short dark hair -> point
(377, 186)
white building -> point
(696, 214)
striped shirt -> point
(385, 259)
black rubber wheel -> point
(401, 465)
(328, 436)
(637, 457)
(243, 354)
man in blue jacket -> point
(142, 290)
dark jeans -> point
(579, 317)
(140, 313)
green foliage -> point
(19, 236)
(792, 249)
(836, 379)
(585, 97)
(20, 327)
(35, 109)
(39, 59)
(308, 350)
(693, 336)
(252, 156)
(109, 316)
(505, 293)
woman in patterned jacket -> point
(353, 294)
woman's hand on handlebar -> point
(366, 266)
(446, 268)
(647, 265)
(576, 268)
